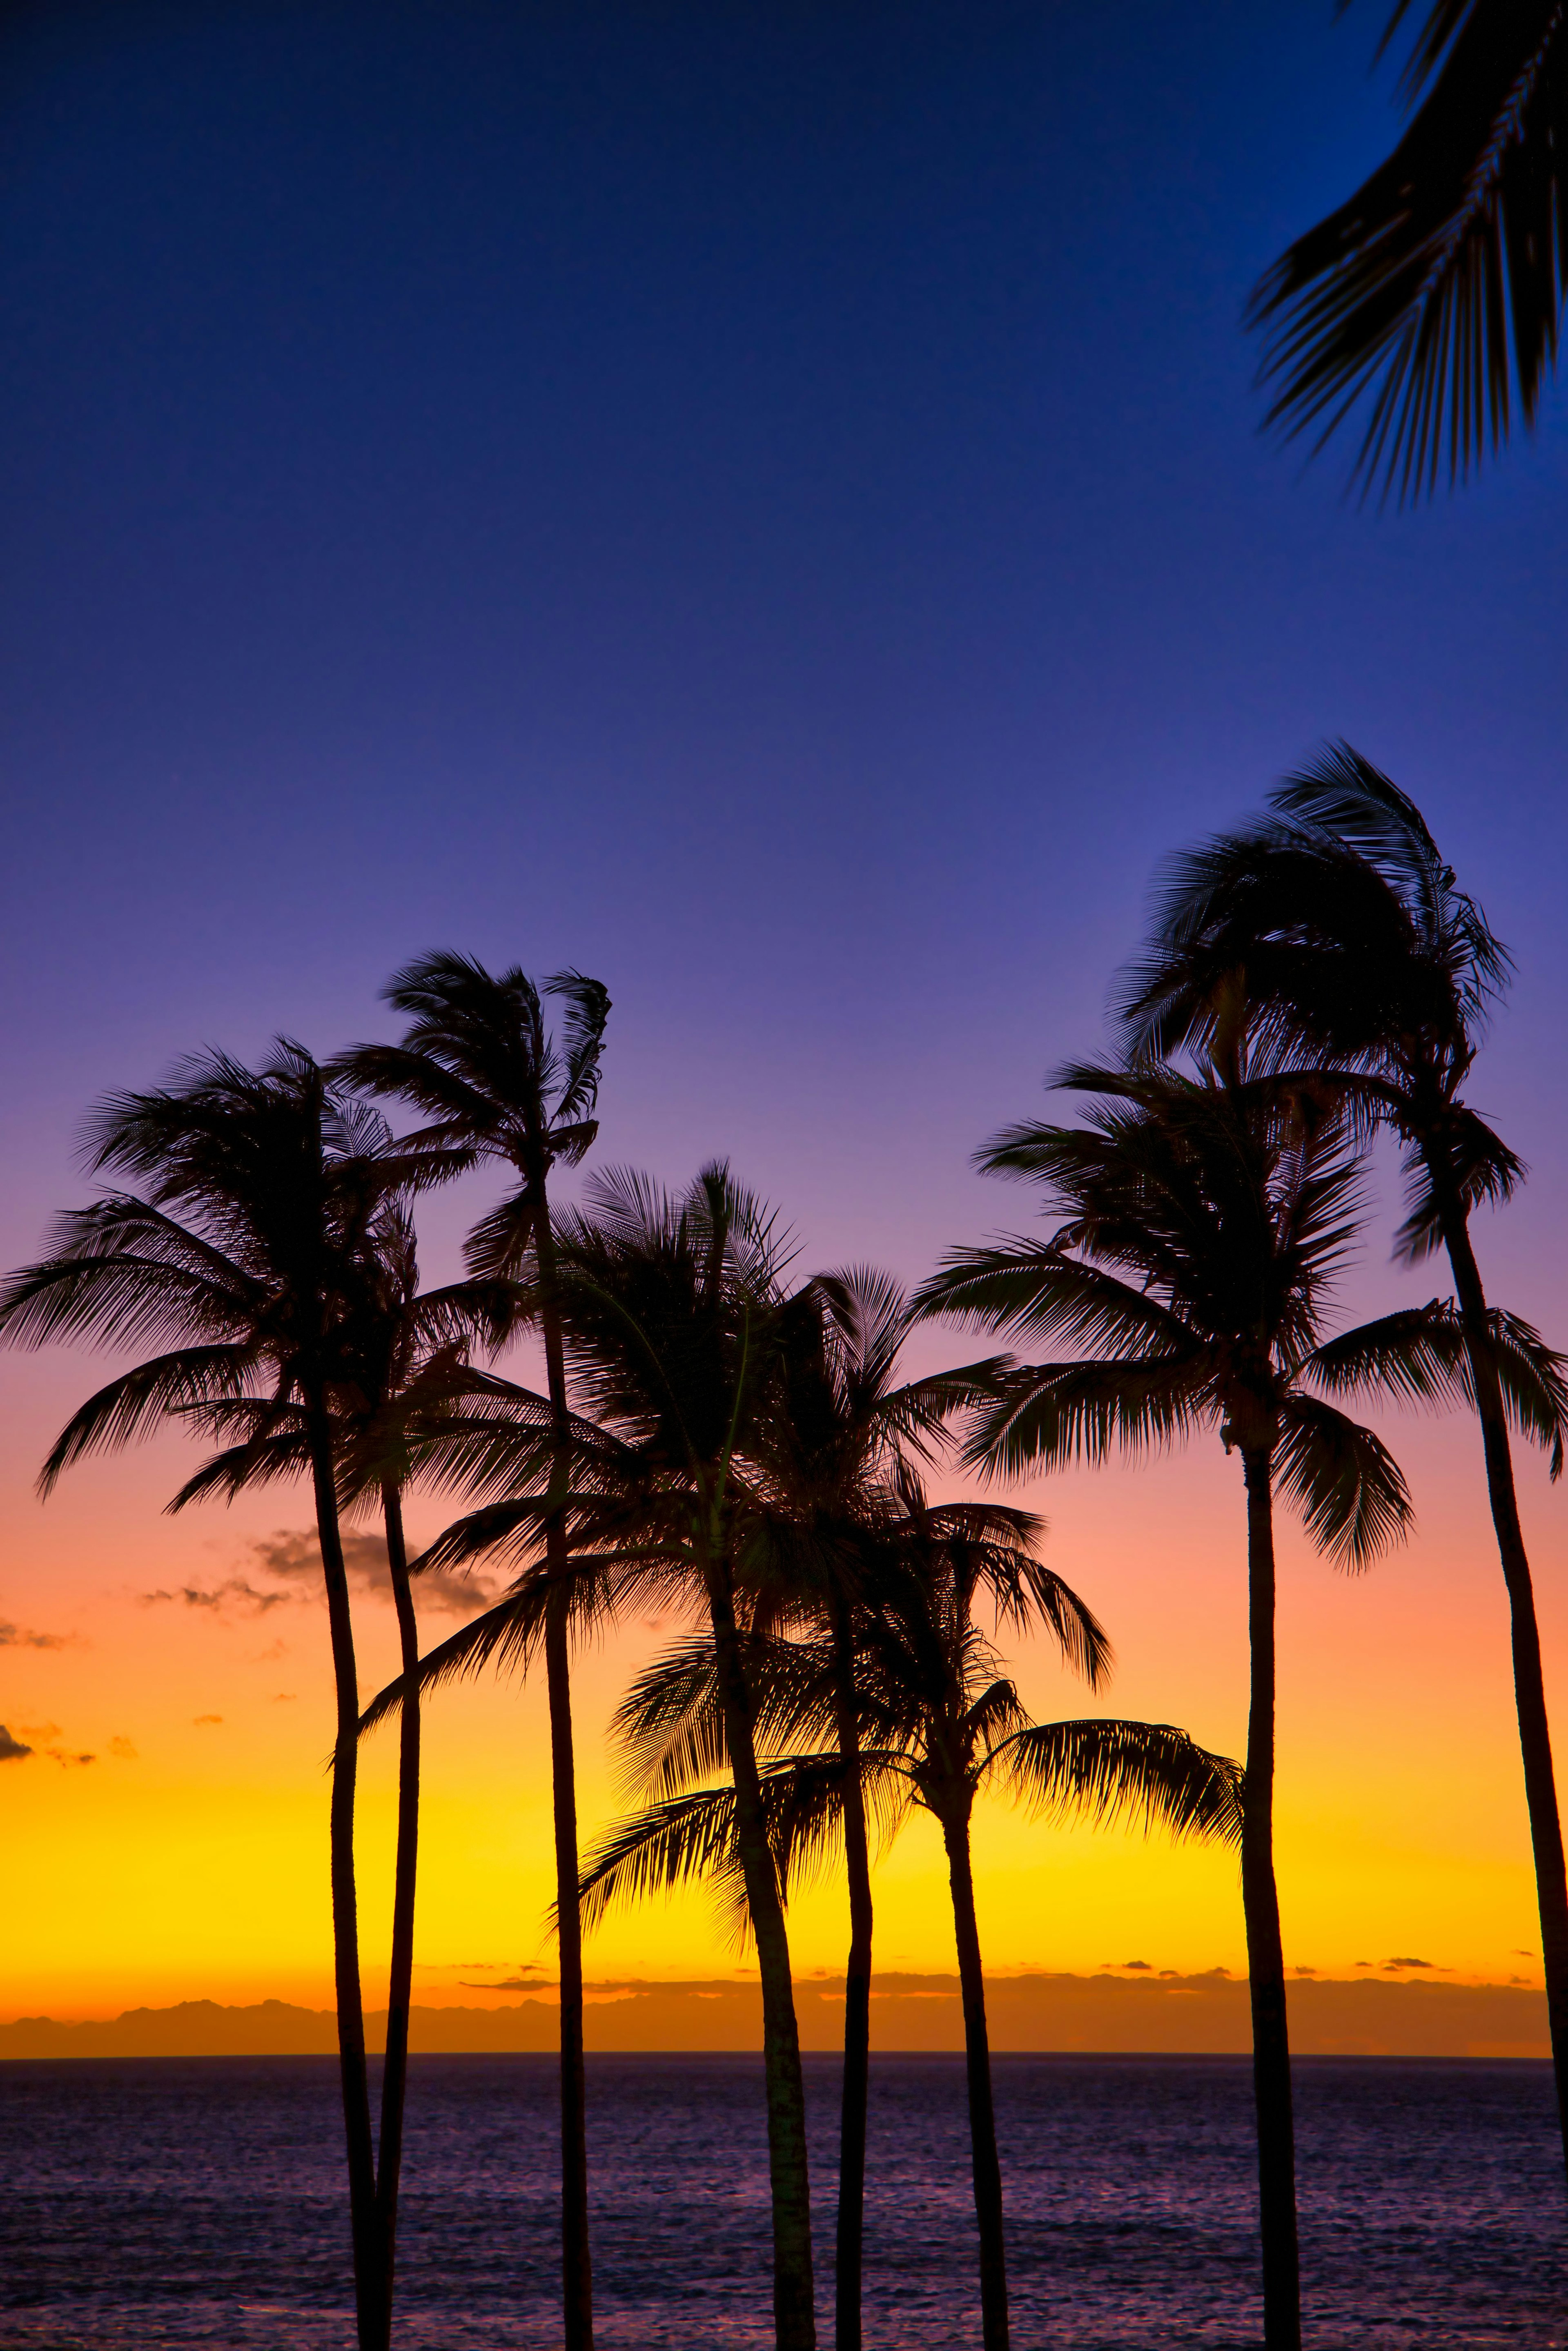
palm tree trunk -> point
(987, 2170)
(395, 2075)
(351, 2066)
(1265, 1950)
(794, 2302)
(1529, 1684)
(577, 2260)
(857, 2003)
(576, 2255)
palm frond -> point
(1148, 1774)
(1035, 1290)
(132, 1405)
(1349, 1489)
(1435, 293)
(1051, 1415)
(1416, 1355)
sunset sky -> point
(765, 505)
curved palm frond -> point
(133, 1404)
(1148, 1774)
(1036, 1289)
(1434, 294)
(1349, 1489)
(1051, 1415)
(1416, 1355)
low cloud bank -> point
(1089, 2015)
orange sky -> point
(188, 1857)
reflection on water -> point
(177, 2201)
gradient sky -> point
(764, 504)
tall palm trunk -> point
(857, 2001)
(400, 1988)
(1529, 1685)
(794, 2305)
(577, 2262)
(362, 2217)
(987, 2170)
(1265, 1950)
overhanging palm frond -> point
(1148, 1774)
(1435, 292)
(1347, 1484)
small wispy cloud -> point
(198, 1720)
(11, 1749)
(122, 1750)
(63, 1755)
(17, 1636)
(294, 1556)
(237, 1597)
(284, 1697)
(1405, 1963)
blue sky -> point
(764, 504)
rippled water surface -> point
(175, 2202)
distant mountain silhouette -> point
(1103, 2012)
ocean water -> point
(177, 2201)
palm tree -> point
(1379, 973)
(244, 1259)
(1205, 1221)
(1437, 289)
(405, 1369)
(480, 1065)
(937, 1722)
(674, 1313)
(834, 1431)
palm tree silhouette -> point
(937, 1722)
(479, 1065)
(405, 1370)
(834, 1430)
(1379, 973)
(245, 1258)
(1205, 1218)
(675, 1311)
(1436, 288)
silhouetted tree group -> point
(727, 1440)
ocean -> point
(178, 2201)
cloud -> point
(11, 1749)
(123, 1749)
(221, 1599)
(39, 1730)
(1521, 1955)
(198, 1720)
(60, 1755)
(270, 1656)
(512, 1984)
(1138, 1967)
(284, 1697)
(16, 1637)
(1405, 1963)
(294, 1556)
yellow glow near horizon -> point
(188, 1859)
